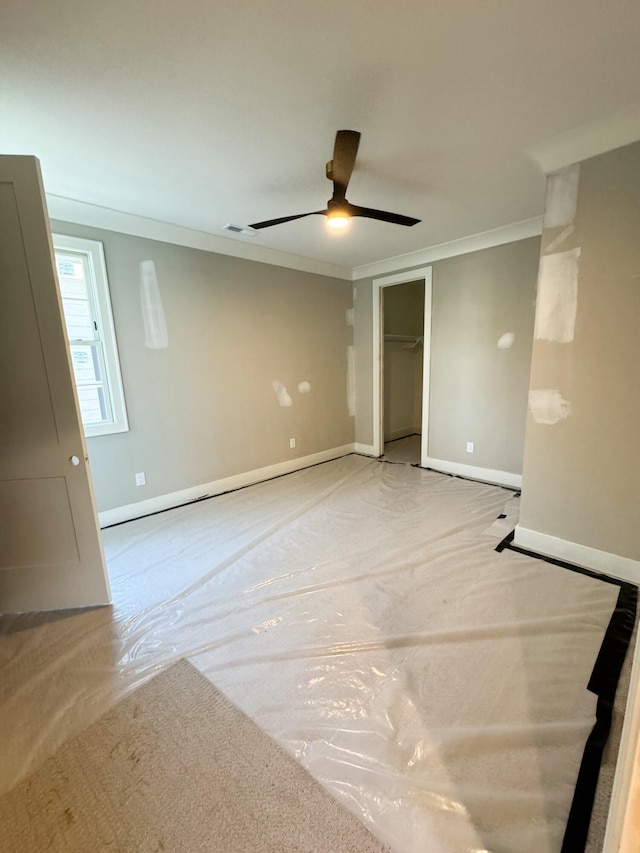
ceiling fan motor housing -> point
(338, 207)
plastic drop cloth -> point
(359, 613)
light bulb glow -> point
(337, 221)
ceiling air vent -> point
(239, 229)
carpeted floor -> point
(176, 767)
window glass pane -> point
(79, 321)
(86, 364)
(84, 292)
(92, 404)
(73, 281)
(72, 276)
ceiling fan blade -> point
(382, 215)
(344, 159)
(269, 222)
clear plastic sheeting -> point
(359, 613)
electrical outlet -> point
(140, 479)
(469, 447)
(292, 443)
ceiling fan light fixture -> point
(339, 219)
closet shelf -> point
(409, 339)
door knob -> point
(74, 460)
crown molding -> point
(586, 141)
(473, 243)
(96, 216)
(581, 143)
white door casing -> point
(424, 274)
(50, 550)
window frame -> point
(100, 302)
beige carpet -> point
(175, 767)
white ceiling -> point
(202, 112)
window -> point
(84, 289)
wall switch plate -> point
(469, 447)
(140, 479)
(292, 442)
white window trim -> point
(99, 284)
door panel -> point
(37, 524)
(50, 550)
(27, 418)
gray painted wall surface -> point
(582, 474)
(204, 408)
(404, 308)
(363, 348)
(478, 392)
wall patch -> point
(282, 395)
(506, 341)
(562, 197)
(351, 382)
(559, 240)
(557, 301)
(547, 406)
(153, 316)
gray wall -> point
(478, 391)
(404, 308)
(582, 473)
(363, 347)
(204, 408)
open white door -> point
(50, 551)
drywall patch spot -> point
(562, 197)
(547, 406)
(562, 236)
(506, 341)
(282, 395)
(153, 316)
(304, 387)
(349, 316)
(351, 382)
(557, 300)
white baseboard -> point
(582, 555)
(365, 449)
(487, 475)
(217, 487)
(405, 432)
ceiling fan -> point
(339, 210)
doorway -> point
(403, 329)
(401, 365)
